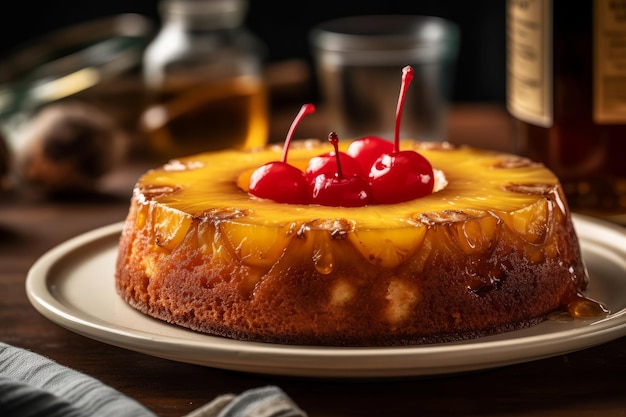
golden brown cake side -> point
(444, 268)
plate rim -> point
(305, 361)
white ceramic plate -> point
(72, 285)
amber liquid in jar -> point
(567, 94)
(205, 82)
(205, 116)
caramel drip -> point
(581, 308)
(323, 259)
(585, 308)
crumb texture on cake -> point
(492, 251)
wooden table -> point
(586, 383)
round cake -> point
(491, 249)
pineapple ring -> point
(479, 188)
(477, 181)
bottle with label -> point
(204, 75)
(566, 92)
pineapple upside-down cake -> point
(364, 243)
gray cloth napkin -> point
(34, 386)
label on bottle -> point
(609, 61)
(529, 61)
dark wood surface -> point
(590, 382)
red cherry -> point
(339, 190)
(366, 150)
(327, 164)
(401, 175)
(278, 180)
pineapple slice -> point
(483, 192)
(257, 246)
(170, 226)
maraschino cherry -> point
(278, 180)
(339, 189)
(328, 164)
(399, 176)
(366, 150)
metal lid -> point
(384, 32)
(205, 14)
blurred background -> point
(480, 72)
(71, 147)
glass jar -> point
(204, 75)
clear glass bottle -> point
(204, 75)
(566, 91)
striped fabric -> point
(34, 386)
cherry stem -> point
(407, 76)
(304, 110)
(333, 138)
